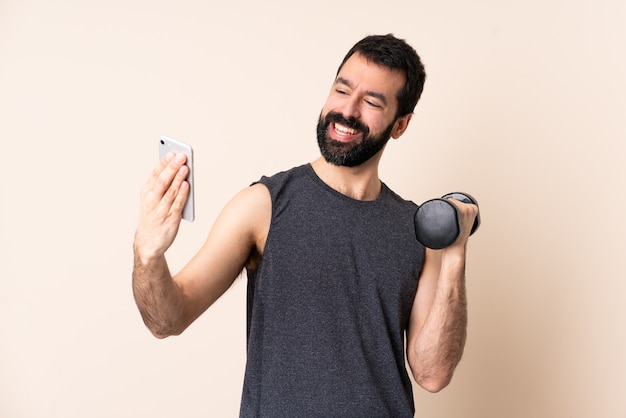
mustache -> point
(334, 117)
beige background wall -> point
(524, 108)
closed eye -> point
(373, 104)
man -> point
(335, 275)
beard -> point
(349, 154)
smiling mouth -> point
(341, 129)
(344, 130)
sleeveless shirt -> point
(329, 303)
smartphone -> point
(167, 144)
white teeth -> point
(344, 129)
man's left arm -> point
(438, 325)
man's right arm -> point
(157, 296)
(169, 304)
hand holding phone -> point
(167, 144)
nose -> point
(351, 108)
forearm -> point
(438, 347)
(157, 296)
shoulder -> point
(392, 198)
(242, 226)
(285, 184)
(249, 204)
(285, 176)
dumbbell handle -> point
(466, 198)
(438, 223)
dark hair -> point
(391, 52)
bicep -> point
(236, 233)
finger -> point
(179, 201)
(166, 171)
(467, 214)
(158, 169)
(172, 192)
(464, 207)
(163, 180)
(149, 187)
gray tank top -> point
(329, 304)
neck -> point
(360, 183)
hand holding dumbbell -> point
(438, 223)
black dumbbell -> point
(437, 221)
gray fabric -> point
(329, 304)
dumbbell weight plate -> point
(437, 224)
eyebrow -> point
(379, 96)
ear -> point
(400, 126)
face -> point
(359, 116)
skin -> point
(169, 304)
